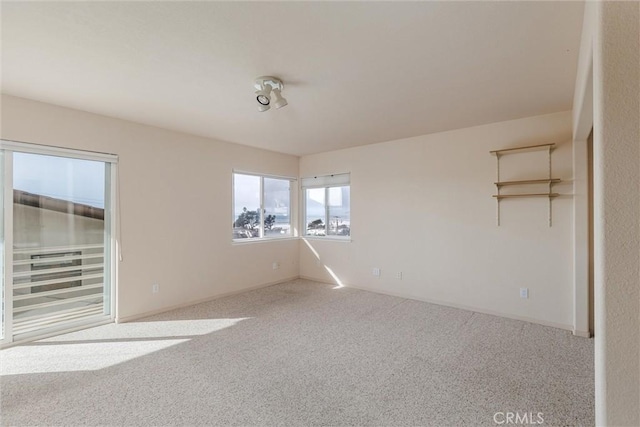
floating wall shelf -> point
(528, 181)
(525, 148)
(499, 184)
(508, 196)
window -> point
(327, 205)
(261, 207)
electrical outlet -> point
(275, 265)
(524, 292)
(155, 288)
(399, 275)
(376, 272)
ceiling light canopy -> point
(266, 86)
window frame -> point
(261, 237)
(112, 236)
(342, 180)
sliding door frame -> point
(7, 259)
(111, 209)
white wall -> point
(616, 140)
(175, 198)
(423, 206)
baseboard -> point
(201, 300)
(314, 279)
(454, 305)
(584, 334)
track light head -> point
(263, 95)
(279, 101)
(262, 108)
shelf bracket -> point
(550, 185)
(498, 189)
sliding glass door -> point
(57, 240)
(3, 311)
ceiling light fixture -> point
(266, 85)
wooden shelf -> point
(548, 181)
(528, 147)
(509, 196)
(528, 181)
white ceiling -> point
(355, 73)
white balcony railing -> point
(54, 285)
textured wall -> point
(616, 72)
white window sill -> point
(241, 242)
(328, 238)
(262, 240)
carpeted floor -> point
(302, 353)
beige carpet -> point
(302, 353)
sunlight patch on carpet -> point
(105, 346)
